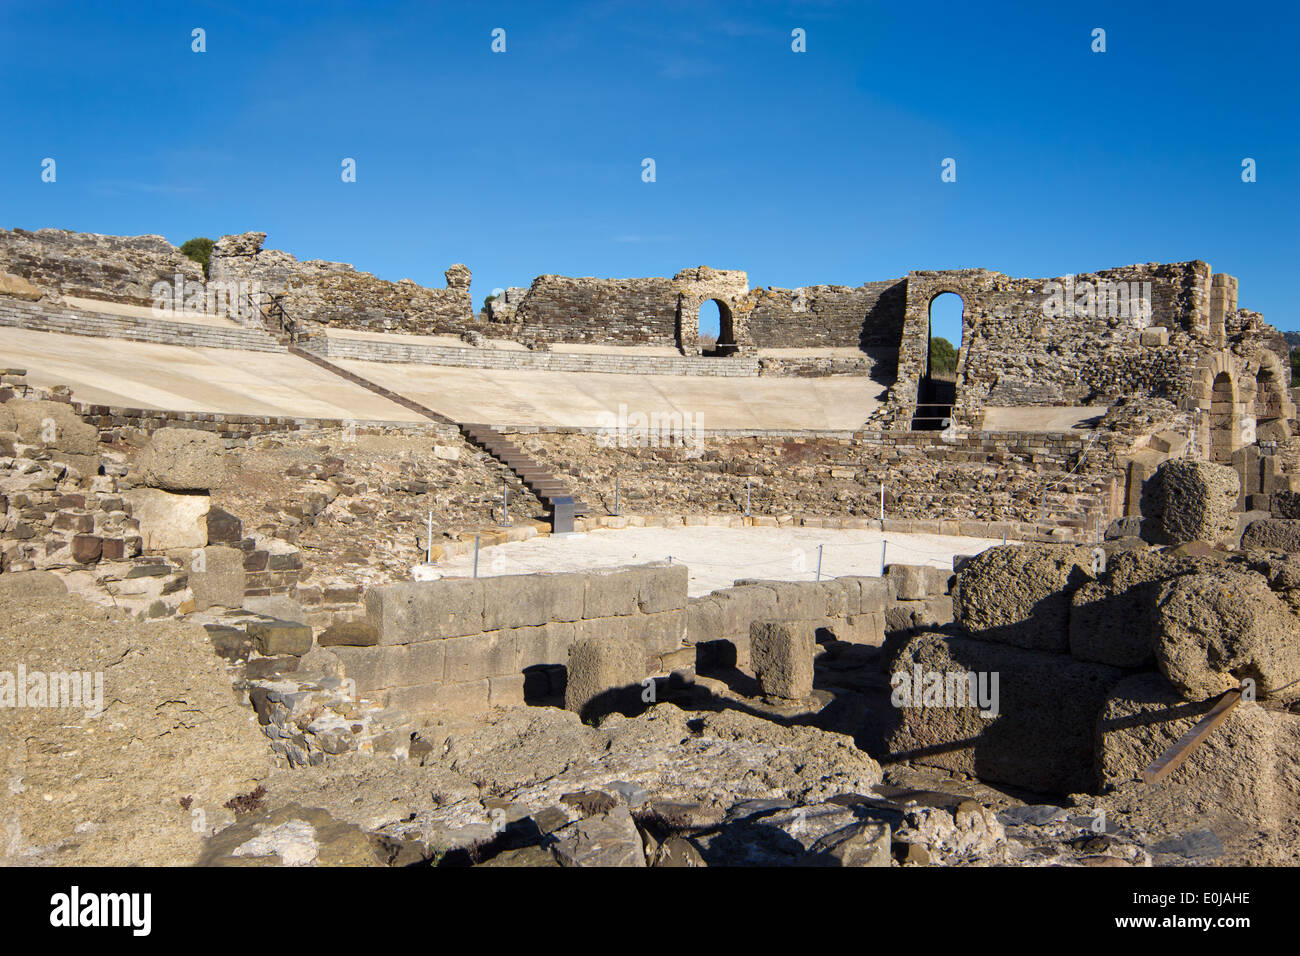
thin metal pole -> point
(883, 545)
(616, 494)
(475, 555)
(882, 501)
(747, 485)
(428, 540)
(505, 504)
(819, 561)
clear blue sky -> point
(801, 168)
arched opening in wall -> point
(938, 389)
(717, 336)
(1222, 399)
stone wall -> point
(339, 295)
(829, 316)
(117, 268)
(464, 645)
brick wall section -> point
(464, 645)
(117, 268)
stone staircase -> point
(40, 317)
(537, 479)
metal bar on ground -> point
(1173, 758)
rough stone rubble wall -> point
(116, 268)
(464, 645)
(338, 295)
(829, 316)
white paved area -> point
(717, 557)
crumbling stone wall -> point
(339, 295)
(89, 265)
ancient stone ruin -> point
(1096, 663)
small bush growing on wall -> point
(200, 250)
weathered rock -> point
(28, 585)
(298, 836)
(606, 839)
(18, 287)
(56, 424)
(358, 633)
(280, 637)
(1020, 595)
(1215, 628)
(183, 459)
(1272, 534)
(1189, 500)
(1042, 737)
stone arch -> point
(1216, 407)
(1272, 406)
(731, 330)
(937, 396)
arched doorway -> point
(1268, 396)
(937, 393)
(716, 329)
(1223, 399)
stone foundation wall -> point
(117, 268)
(464, 645)
(829, 316)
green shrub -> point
(200, 250)
(943, 357)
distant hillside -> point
(1292, 338)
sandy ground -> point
(718, 556)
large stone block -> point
(217, 577)
(1188, 500)
(1019, 595)
(414, 611)
(658, 633)
(480, 656)
(548, 644)
(1112, 618)
(611, 593)
(663, 587)
(169, 520)
(1043, 734)
(1216, 627)
(528, 600)
(380, 668)
(781, 654)
(183, 459)
(604, 675)
(274, 638)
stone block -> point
(1188, 500)
(479, 656)
(548, 644)
(356, 633)
(603, 675)
(169, 520)
(506, 691)
(1020, 595)
(781, 654)
(463, 699)
(414, 611)
(659, 633)
(183, 459)
(529, 600)
(611, 593)
(217, 577)
(663, 587)
(1272, 534)
(272, 638)
(224, 528)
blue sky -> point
(801, 168)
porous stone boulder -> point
(183, 459)
(1272, 534)
(1020, 595)
(1041, 734)
(1112, 618)
(1232, 771)
(55, 424)
(26, 585)
(1188, 500)
(1217, 627)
